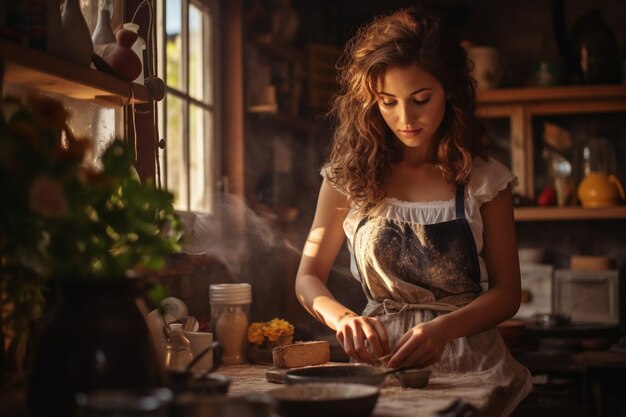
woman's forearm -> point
(319, 302)
(487, 311)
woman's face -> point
(412, 103)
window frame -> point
(212, 161)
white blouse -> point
(488, 178)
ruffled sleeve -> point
(324, 171)
(488, 179)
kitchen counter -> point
(394, 401)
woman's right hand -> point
(354, 331)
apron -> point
(408, 266)
(411, 273)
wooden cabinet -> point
(521, 108)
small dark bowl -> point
(355, 374)
(325, 399)
(413, 378)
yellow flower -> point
(270, 332)
(255, 334)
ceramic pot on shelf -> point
(78, 43)
(599, 187)
(120, 56)
(600, 190)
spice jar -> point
(230, 310)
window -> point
(186, 42)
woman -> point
(428, 215)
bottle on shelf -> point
(78, 43)
(103, 33)
(178, 349)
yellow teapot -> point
(600, 190)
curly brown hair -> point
(363, 147)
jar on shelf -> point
(230, 317)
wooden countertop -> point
(394, 400)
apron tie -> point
(392, 308)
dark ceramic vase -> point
(95, 337)
(595, 49)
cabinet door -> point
(507, 129)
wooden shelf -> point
(568, 213)
(547, 94)
(52, 74)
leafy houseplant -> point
(62, 220)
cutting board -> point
(275, 375)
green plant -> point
(62, 219)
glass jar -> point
(230, 317)
(598, 156)
(178, 351)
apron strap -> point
(460, 201)
(391, 308)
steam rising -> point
(224, 236)
(219, 236)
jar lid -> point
(230, 293)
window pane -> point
(175, 151)
(98, 123)
(196, 53)
(209, 38)
(174, 47)
(200, 127)
(160, 34)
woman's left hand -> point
(421, 346)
